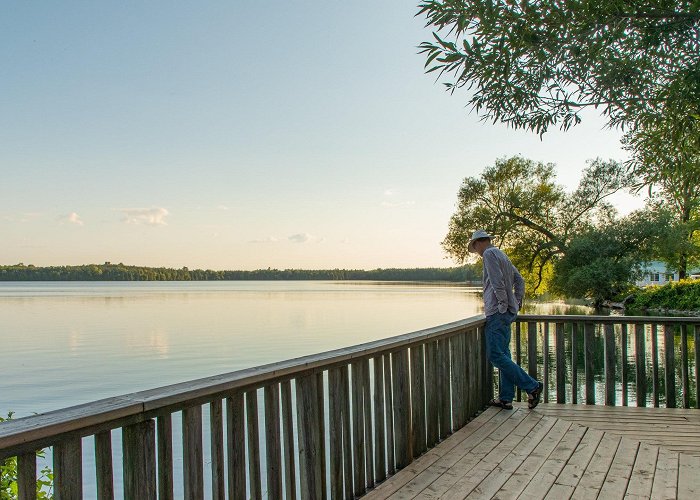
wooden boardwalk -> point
(558, 452)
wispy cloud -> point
(222, 207)
(389, 192)
(300, 238)
(269, 239)
(71, 218)
(149, 216)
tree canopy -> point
(536, 64)
(519, 201)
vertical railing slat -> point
(623, 361)
(609, 364)
(574, 362)
(545, 361)
(640, 364)
(685, 383)
(320, 395)
(655, 364)
(369, 441)
(389, 416)
(418, 400)
(235, 446)
(669, 366)
(402, 408)
(518, 356)
(379, 411)
(458, 378)
(192, 453)
(444, 388)
(335, 432)
(164, 425)
(104, 473)
(273, 442)
(347, 441)
(358, 430)
(216, 426)
(697, 366)
(290, 488)
(589, 357)
(532, 349)
(310, 440)
(139, 460)
(561, 363)
(254, 476)
(26, 476)
(68, 469)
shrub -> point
(681, 296)
(8, 477)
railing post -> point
(623, 362)
(164, 426)
(655, 364)
(358, 430)
(574, 362)
(139, 459)
(684, 366)
(418, 400)
(254, 476)
(235, 446)
(561, 364)
(609, 364)
(532, 349)
(545, 361)
(193, 454)
(26, 476)
(273, 442)
(444, 387)
(379, 412)
(288, 437)
(402, 408)
(103, 465)
(335, 431)
(68, 469)
(309, 438)
(669, 366)
(697, 366)
(518, 356)
(589, 356)
(640, 358)
(216, 435)
(431, 394)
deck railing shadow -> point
(335, 424)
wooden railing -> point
(612, 360)
(332, 424)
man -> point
(504, 289)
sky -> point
(241, 135)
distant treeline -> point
(121, 272)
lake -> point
(65, 343)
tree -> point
(519, 201)
(667, 162)
(603, 262)
(536, 64)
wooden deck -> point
(560, 451)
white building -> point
(656, 273)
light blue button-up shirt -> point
(504, 287)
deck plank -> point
(666, 477)
(594, 475)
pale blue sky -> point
(239, 135)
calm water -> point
(65, 343)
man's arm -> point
(518, 286)
(497, 280)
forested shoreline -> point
(120, 272)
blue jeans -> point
(498, 352)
